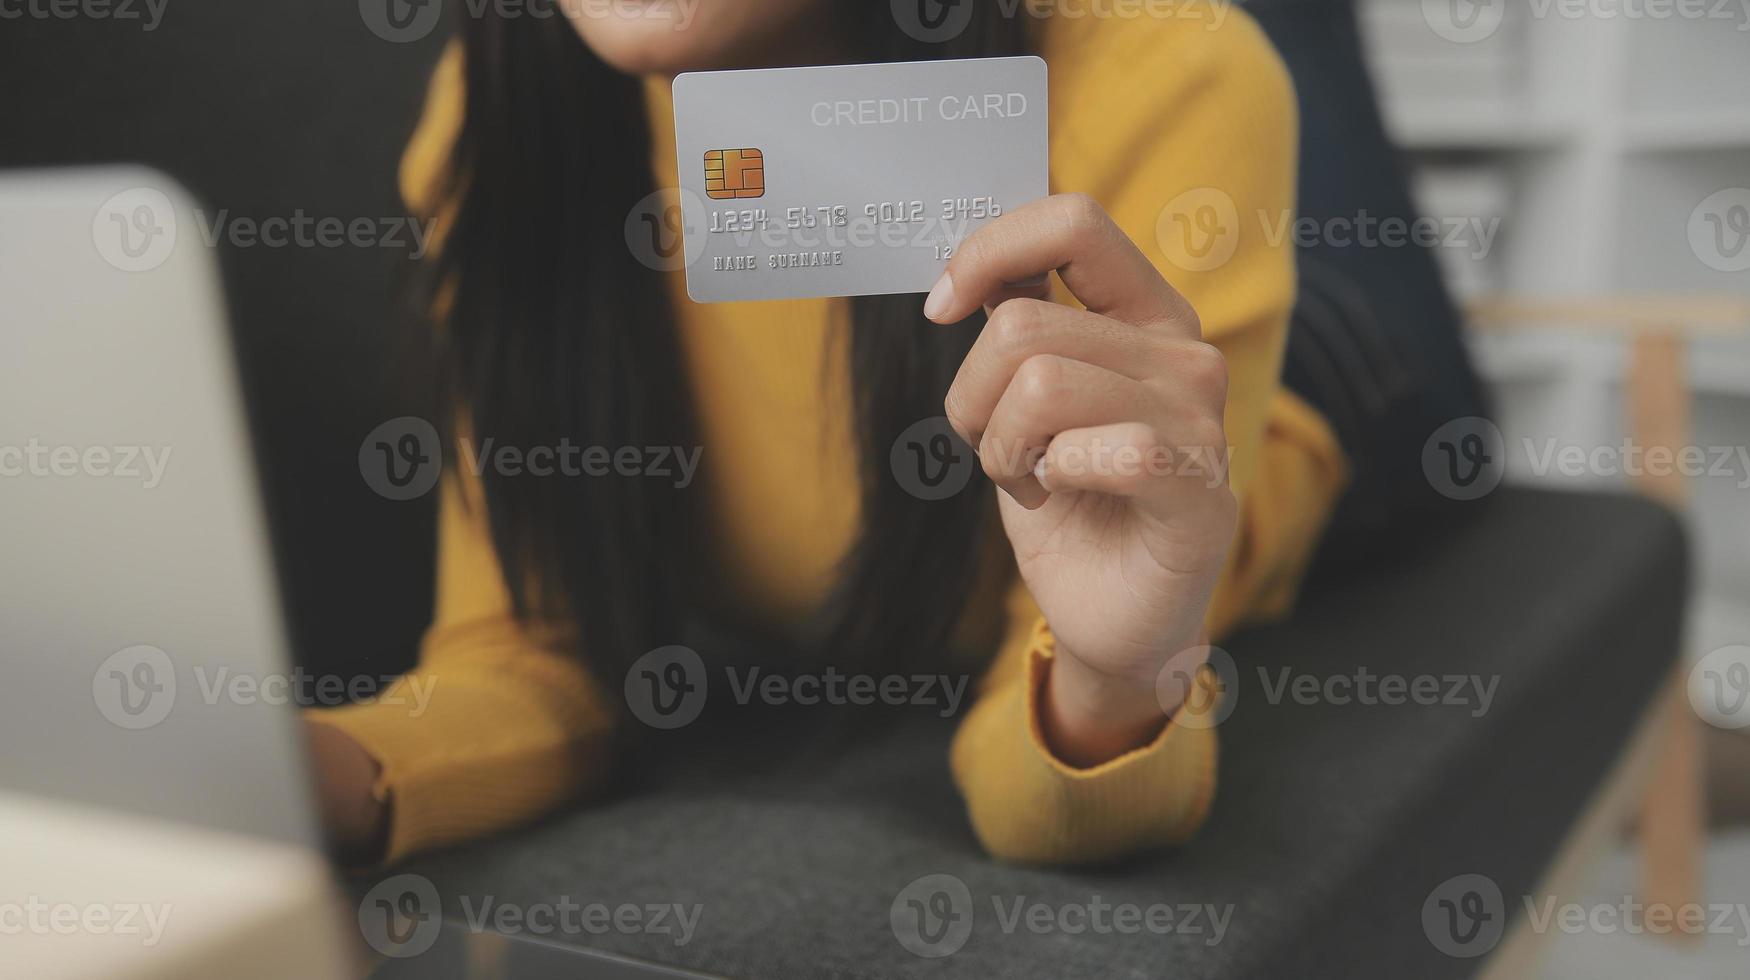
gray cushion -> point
(1333, 823)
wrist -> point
(355, 820)
(1089, 717)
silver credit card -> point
(851, 180)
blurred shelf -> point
(1720, 373)
(1472, 126)
(1718, 620)
(1688, 129)
(1536, 359)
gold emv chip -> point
(735, 174)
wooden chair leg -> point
(1673, 818)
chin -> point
(642, 49)
(668, 37)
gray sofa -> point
(1333, 826)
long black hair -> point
(552, 330)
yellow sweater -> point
(1142, 111)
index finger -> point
(1073, 235)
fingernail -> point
(941, 297)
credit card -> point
(853, 180)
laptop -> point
(137, 585)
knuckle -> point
(975, 252)
(1143, 438)
(1039, 378)
(1207, 435)
(1015, 323)
(1081, 211)
(1186, 315)
(1204, 367)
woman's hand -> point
(353, 819)
(1104, 429)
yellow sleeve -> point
(497, 724)
(1173, 124)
